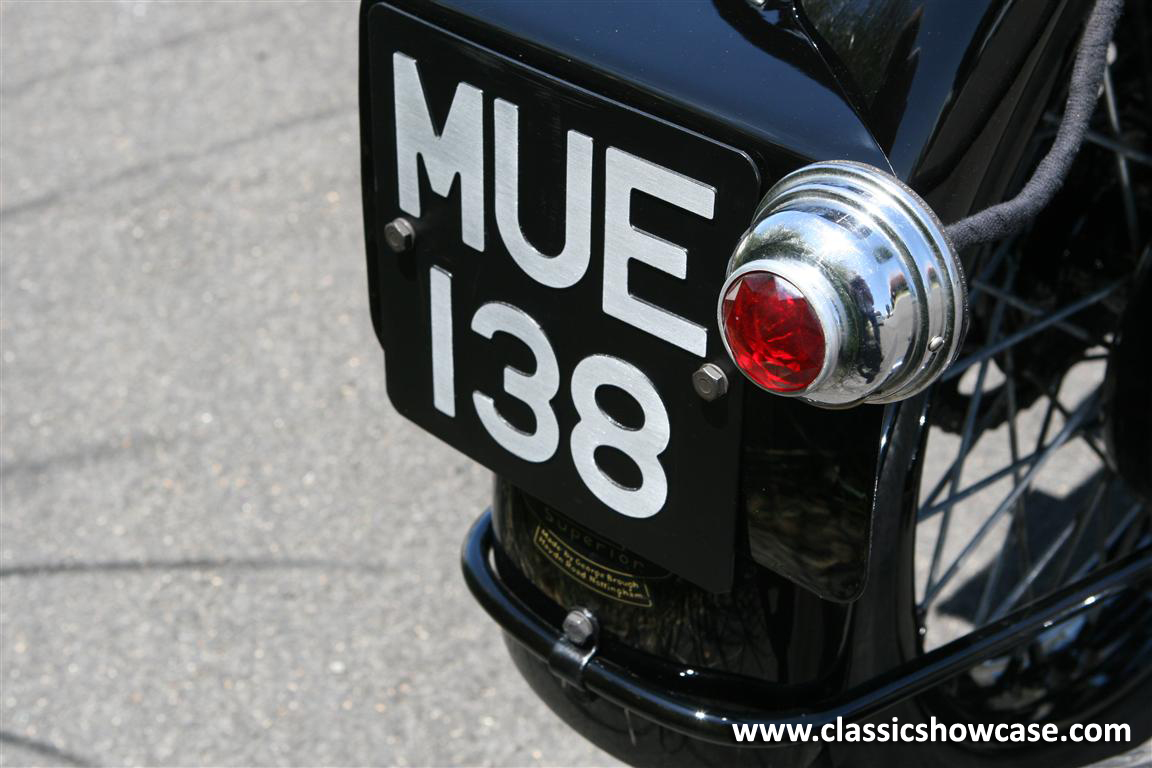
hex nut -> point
(400, 235)
(710, 381)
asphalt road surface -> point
(219, 544)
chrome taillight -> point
(844, 290)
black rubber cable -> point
(1011, 216)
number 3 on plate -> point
(595, 427)
(535, 390)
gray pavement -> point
(219, 544)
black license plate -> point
(560, 290)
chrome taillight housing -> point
(845, 290)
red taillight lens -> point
(773, 332)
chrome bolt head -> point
(400, 235)
(579, 626)
(710, 381)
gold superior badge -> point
(617, 585)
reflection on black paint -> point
(807, 496)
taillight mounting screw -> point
(710, 381)
(400, 235)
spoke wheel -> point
(1020, 494)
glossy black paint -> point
(949, 111)
(753, 80)
(705, 704)
(762, 628)
(808, 493)
(949, 90)
(769, 95)
(693, 533)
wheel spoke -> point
(1110, 540)
(996, 348)
(1018, 533)
(1138, 156)
(1026, 552)
(979, 282)
(1068, 540)
(1121, 162)
(942, 483)
(966, 440)
(1049, 412)
(981, 484)
(1068, 430)
(1053, 397)
(1031, 309)
(1035, 571)
(1083, 521)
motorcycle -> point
(736, 299)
